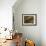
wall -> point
(43, 22)
(6, 13)
(28, 7)
(6, 16)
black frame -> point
(23, 24)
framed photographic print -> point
(29, 19)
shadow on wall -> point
(17, 4)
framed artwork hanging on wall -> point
(29, 19)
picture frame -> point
(29, 19)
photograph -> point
(29, 19)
